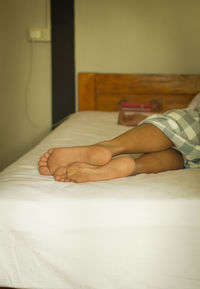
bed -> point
(138, 232)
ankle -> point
(111, 146)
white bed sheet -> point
(140, 232)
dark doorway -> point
(63, 78)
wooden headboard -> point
(105, 91)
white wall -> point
(25, 79)
(137, 36)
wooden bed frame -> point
(105, 91)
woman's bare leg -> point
(169, 159)
(142, 139)
(156, 162)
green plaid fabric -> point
(182, 127)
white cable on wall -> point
(36, 37)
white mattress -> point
(140, 232)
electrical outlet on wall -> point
(39, 35)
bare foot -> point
(82, 172)
(60, 175)
(62, 157)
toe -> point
(44, 171)
(42, 164)
(61, 179)
(60, 172)
(60, 175)
(43, 159)
(57, 178)
(46, 155)
(50, 151)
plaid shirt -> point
(182, 127)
